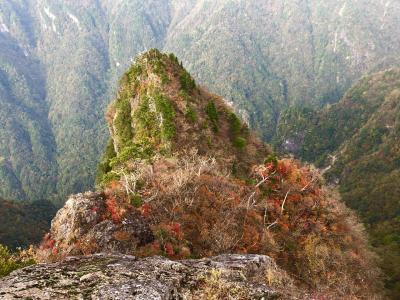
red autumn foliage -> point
(48, 242)
(112, 208)
(283, 168)
(282, 211)
(145, 209)
(169, 249)
(176, 229)
(94, 209)
(115, 189)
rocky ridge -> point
(86, 224)
(105, 276)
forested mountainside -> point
(357, 141)
(28, 168)
(184, 178)
(61, 59)
(24, 224)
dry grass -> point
(286, 214)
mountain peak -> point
(183, 177)
(159, 109)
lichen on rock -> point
(125, 277)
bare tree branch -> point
(284, 200)
(272, 224)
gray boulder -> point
(85, 226)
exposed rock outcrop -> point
(91, 223)
(104, 276)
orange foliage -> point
(122, 236)
(145, 209)
(176, 229)
(115, 189)
(48, 242)
(169, 249)
(286, 214)
(112, 208)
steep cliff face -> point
(183, 177)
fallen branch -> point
(272, 224)
(265, 179)
(284, 200)
(307, 185)
(256, 186)
(265, 215)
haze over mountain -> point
(60, 61)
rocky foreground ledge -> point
(104, 276)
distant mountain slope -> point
(262, 56)
(28, 168)
(24, 224)
(357, 140)
(268, 55)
